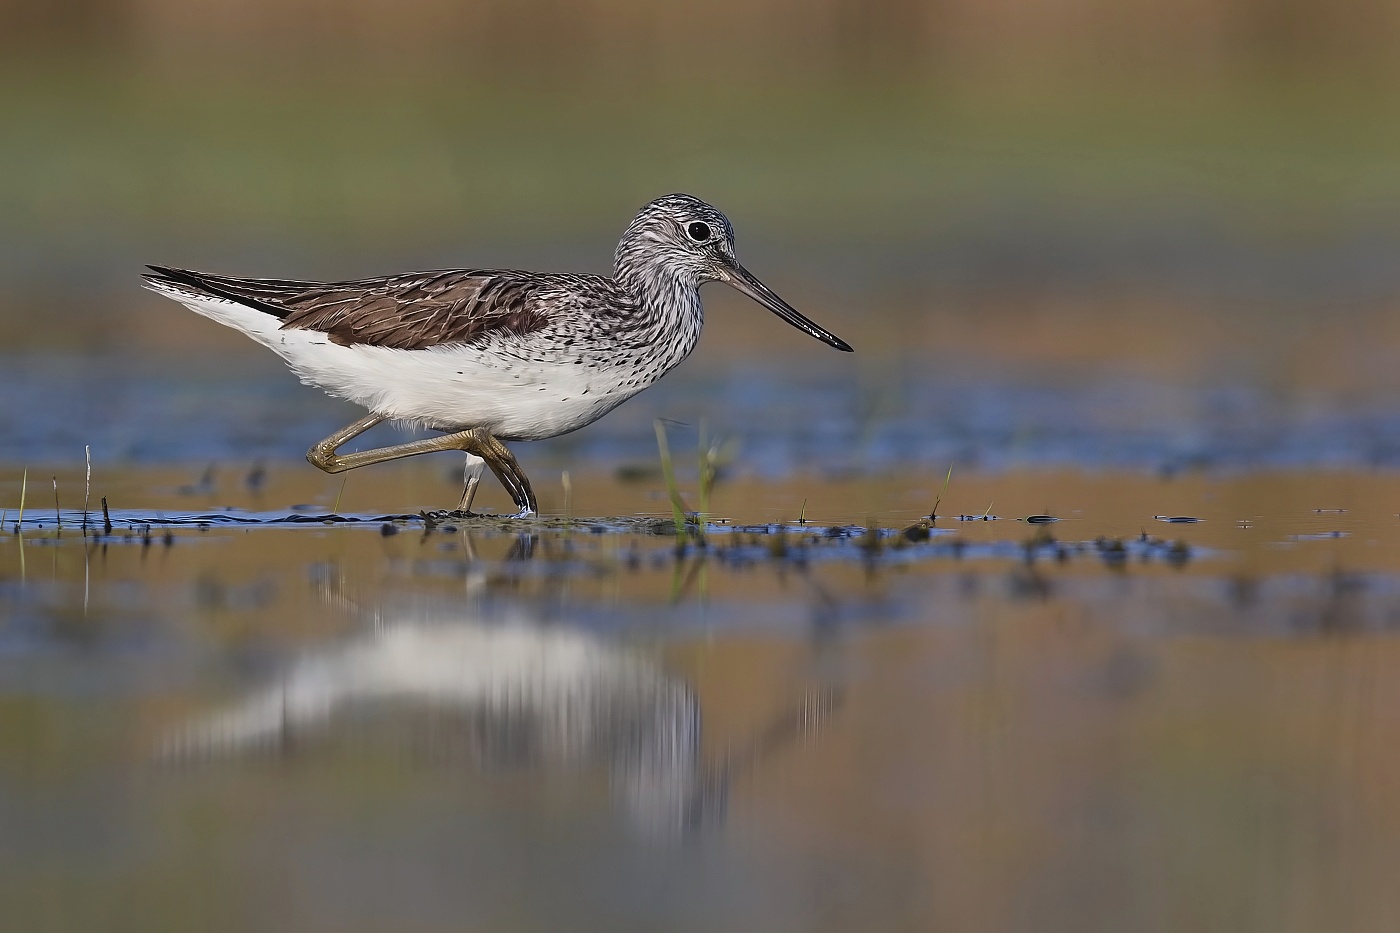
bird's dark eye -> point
(699, 232)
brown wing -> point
(415, 312)
(403, 312)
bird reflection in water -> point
(507, 695)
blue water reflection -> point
(784, 418)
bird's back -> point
(416, 311)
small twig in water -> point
(57, 513)
(933, 516)
(87, 490)
(568, 497)
(989, 509)
(106, 517)
(802, 514)
(23, 490)
(335, 509)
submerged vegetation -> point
(698, 535)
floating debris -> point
(919, 531)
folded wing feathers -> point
(417, 312)
(405, 312)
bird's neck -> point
(660, 290)
(668, 301)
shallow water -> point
(834, 413)
(213, 717)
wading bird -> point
(487, 356)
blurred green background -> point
(1080, 180)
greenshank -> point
(486, 356)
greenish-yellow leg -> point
(477, 442)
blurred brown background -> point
(940, 37)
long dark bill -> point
(745, 281)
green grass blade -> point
(678, 508)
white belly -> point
(445, 388)
(454, 388)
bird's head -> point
(682, 239)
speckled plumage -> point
(509, 355)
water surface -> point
(216, 718)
